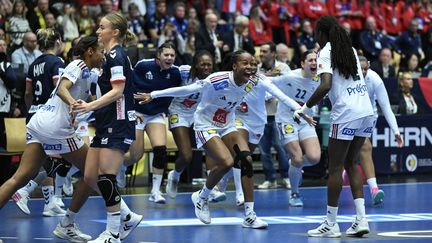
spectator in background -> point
(406, 100)
(239, 38)
(190, 49)
(192, 13)
(142, 8)
(347, 27)
(178, 19)
(314, 9)
(36, 16)
(278, 15)
(52, 23)
(207, 38)
(393, 15)
(283, 56)
(306, 41)
(27, 53)
(86, 24)
(136, 23)
(383, 66)
(371, 40)
(155, 23)
(409, 41)
(170, 34)
(258, 30)
(18, 24)
(68, 22)
(106, 7)
(410, 64)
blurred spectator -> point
(406, 100)
(178, 19)
(314, 9)
(93, 6)
(86, 24)
(306, 40)
(136, 23)
(52, 23)
(427, 48)
(393, 15)
(278, 14)
(192, 13)
(170, 34)
(142, 8)
(269, 65)
(258, 29)
(424, 15)
(371, 40)
(239, 38)
(6, 7)
(193, 28)
(383, 65)
(347, 27)
(68, 22)
(427, 70)
(27, 53)
(409, 41)
(155, 23)
(106, 7)
(36, 16)
(18, 24)
(282, 53)
(208, 39)
(410, 64)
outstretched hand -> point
(399, 140)
(80, 106)
(298, 114)
(143, 98)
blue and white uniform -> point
(251, 113)
(115, 122)
(378, 92)
(43, 74)
(182, 109)
(351, 113)
(148, 77)
(51, 125)
(299, 88)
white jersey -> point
(349, 97)
(185, 105)
(297, 87)
(377, 91)
(53, 118)
(252, 110)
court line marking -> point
(403, 234)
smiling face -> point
(105, 32)
(243, 68)
(204, 67)
(309, 65)
(166, 58)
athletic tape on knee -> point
(51, 166)
(241, 160)
(64, 168)
(108, 187)
(160, 157)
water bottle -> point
(325, 125)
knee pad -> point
(108, 187)
(160, 157)
(241, 160)
(64, 168)
(51, 166)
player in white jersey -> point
(299, 140)
(377, 92)
(50, 131)
(351, 121)
(215, 129)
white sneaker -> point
(171, 186)
(68, 187)
(121, 177)
(129, 224)
(58, 200)
(216, 196)
(53, 210)
(325, 230)
(71, 233)
(202, 211)
(106, 237)
(268, 185)
(287, 183)
(21, 198)
(252, 221)
(358, 228)
(157, 197)
(240, 199)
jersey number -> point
(194, 96)
(38, 90)
(300, 93)
(230, 105)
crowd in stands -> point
(395, 35)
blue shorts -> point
(119, 143)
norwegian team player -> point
(150, 75)
(41, 80)
(215, 130)
(351, 121)
(115, 126)
(299, 140)
(377, 92)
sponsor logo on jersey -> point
(52, 146)
(85, 74)
(288, 128)
(368, 130)
(222, 98)
(132, 115)
(360, 89)
(174, 119)
(212, 131)
(349, 131)
(243, 107)
(221, 85)
(220, 116)
(238, 122)
(149, 75)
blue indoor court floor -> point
(405, 215)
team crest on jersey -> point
(113, 54)
(149, 75)
(315, 78)
(248, 87)
(289, 128)
(174, 119)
